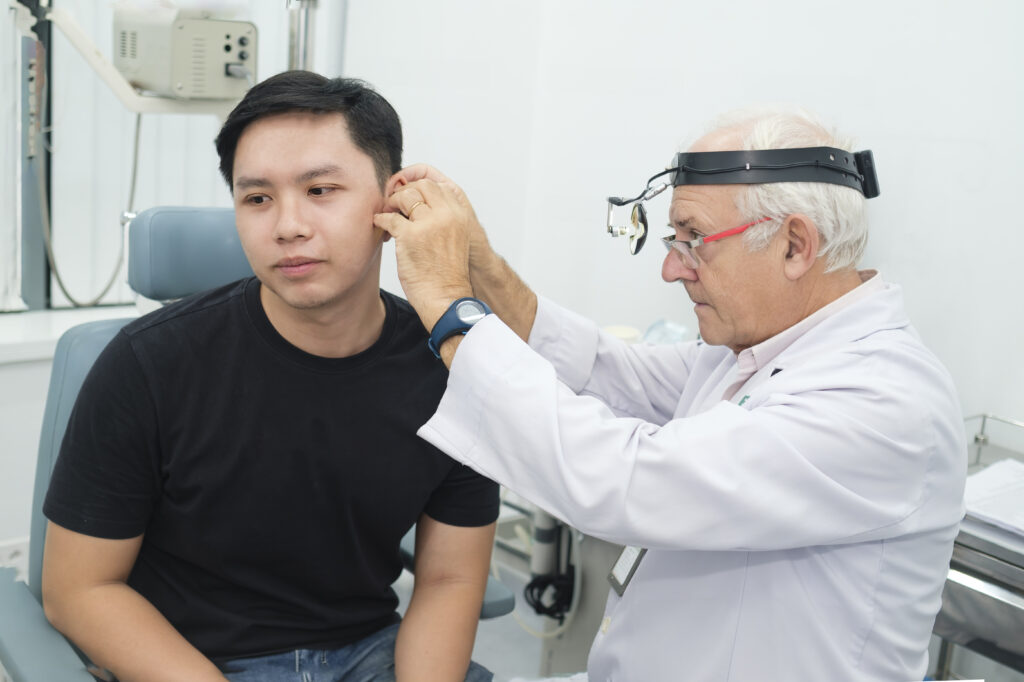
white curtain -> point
(10, 199)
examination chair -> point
(173, 252)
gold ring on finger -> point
(412, 208)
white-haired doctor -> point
(795, 476)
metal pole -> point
(544, 549)
(981, 439)
(944, 662)
(301, 15)
(35, 79)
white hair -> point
(838, 212)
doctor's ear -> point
(802, 243)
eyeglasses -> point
(686, 251)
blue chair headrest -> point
(176, 251)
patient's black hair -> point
(373, 123)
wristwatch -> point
(460, 316)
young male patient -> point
(241, 465)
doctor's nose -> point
(674, 269)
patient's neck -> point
(338, 328)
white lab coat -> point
(804, 535)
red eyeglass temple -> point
(735, 230)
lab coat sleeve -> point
(863, 457)
(639, 380)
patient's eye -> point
(257, 199)
(320, 191)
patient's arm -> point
(85, 596)
(435, 639)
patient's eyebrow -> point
(246, 182)
(314, 173)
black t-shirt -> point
(272, 486)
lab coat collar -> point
(753, 359)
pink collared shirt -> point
(751, 360)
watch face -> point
(470, 312)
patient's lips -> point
(296, 266)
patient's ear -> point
(393, 183)
(802, 242)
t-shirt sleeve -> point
(106, 480)
(464, 498)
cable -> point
(576, 587)
(767, 166)
(643, 196)
(239, 71)
(619, 201)
(560, 586)
(44, 210)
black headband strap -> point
(810, 164)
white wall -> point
(22, 397)
(540, 109)
(93, 139)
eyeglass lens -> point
(683, 250)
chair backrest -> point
(174, 251)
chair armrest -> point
(407, 549)
(30, 649)
(498, 599)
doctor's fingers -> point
(406, 200)
(450, 214)
(392, 223)
(420, 212)
(435, 195)
(409, 199)
(431, 244)
(434, 207)
(422, 171)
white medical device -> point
(184, 54)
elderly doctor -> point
(788, 487)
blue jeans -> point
(371, 659)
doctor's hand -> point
(433, 225)
(446, 254)
(480, 253)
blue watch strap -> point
(460, 317)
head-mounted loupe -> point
(810, 164)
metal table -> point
(983, 601)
